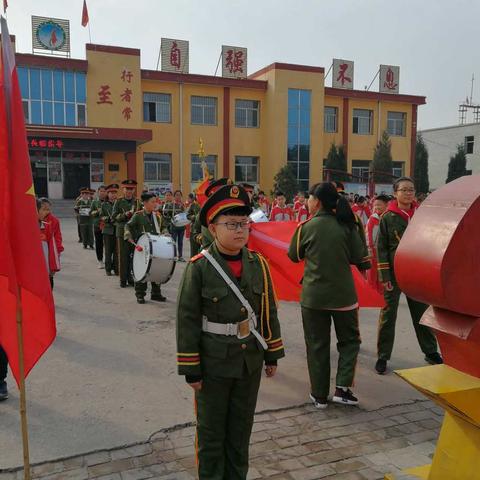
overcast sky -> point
(435, 42)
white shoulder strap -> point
(239, 295)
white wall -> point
(442, 144)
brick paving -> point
(299, 443)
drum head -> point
(141, 260)
(258, 216)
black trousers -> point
(3, 364)
(177, 234)
(99, 244)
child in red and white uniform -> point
(362, 210)
(264, 202)
(380, 205)
(280, 212)
(300, 207)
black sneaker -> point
(141, 300)
(123, 284)
(319, 402)
(3, 391)
(345, 397)
(434, 358)
(381, 366)
(109, 274)
(158, 298)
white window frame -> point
(362, 119)
(203, 108)
(255, 164)
(247, 110)
(396, 127)
(157, 103)
(157, 158)
(329, 116)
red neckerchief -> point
(405, 214)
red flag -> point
(272, 240)
(5, 6)
(23, 270)
(85, 14)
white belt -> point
(229, 329)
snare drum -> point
(84, 212)
(180, 220)
(258, 216)
(156, 263)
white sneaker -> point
(319, 403)
(101, 265)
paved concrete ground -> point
(110, 377)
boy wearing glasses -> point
(393, 224)
(227, 330)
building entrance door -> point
(39, 174)
(75, 176)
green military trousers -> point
(109, 241)
(141, 289)
(86, 232)
(125, 259)
(194, 246)
(316, 329)
(225, 409)
(388, 318)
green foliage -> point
(336, 161)
(420, 173)
(382, 164)
(286, 181)
(457, 167)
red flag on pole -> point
(24, 282)
(85, 14)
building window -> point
(246, 169)
(157, 107)
(469, 144)
(197, 172)
(53, 97)
(157, 167)
(396, 123)
(204, 110)
(398, 169)
(298, 153)
(330, 120)
(247, 113)
(362, 121)
(360, 169)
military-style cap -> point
(91, 191)
(247, 187)
(112, 187)
(225, 199)
(100, 187)
(84, 190)
(129, 184)
(216, 184)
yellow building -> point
(103, 119)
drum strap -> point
(155, 221)
(251, 314)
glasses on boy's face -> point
(406, 190)
(236, 225)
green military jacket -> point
(106, 211)
(141, 223)
(193, 211)
(390, 232)
(328, 248)
(200, 233)
(80, 204)
(203, 292)
(123, 211)
(95, 212)
(169, 210)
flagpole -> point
(89, 31)
(23, 396)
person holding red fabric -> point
(379, 206)
(263, 202)
(393, 224)
(280, 212)
(54, 224)
(49, 246)
(362, 210)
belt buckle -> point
(243, 329)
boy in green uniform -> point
(108, 231)
(329, 242)
(97, 230)
(227, 329)
(192, 212)
(83, 207)
(123, 211)
(393, 224)
(145, 221)
(173, 207)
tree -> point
(420, 173)
(457, 167)
(336, 161)
(382, 164)
(286, 181)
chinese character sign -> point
(174, 55)
(342, 74)
(389, 79)
(234, 62)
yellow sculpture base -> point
(458, 449)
